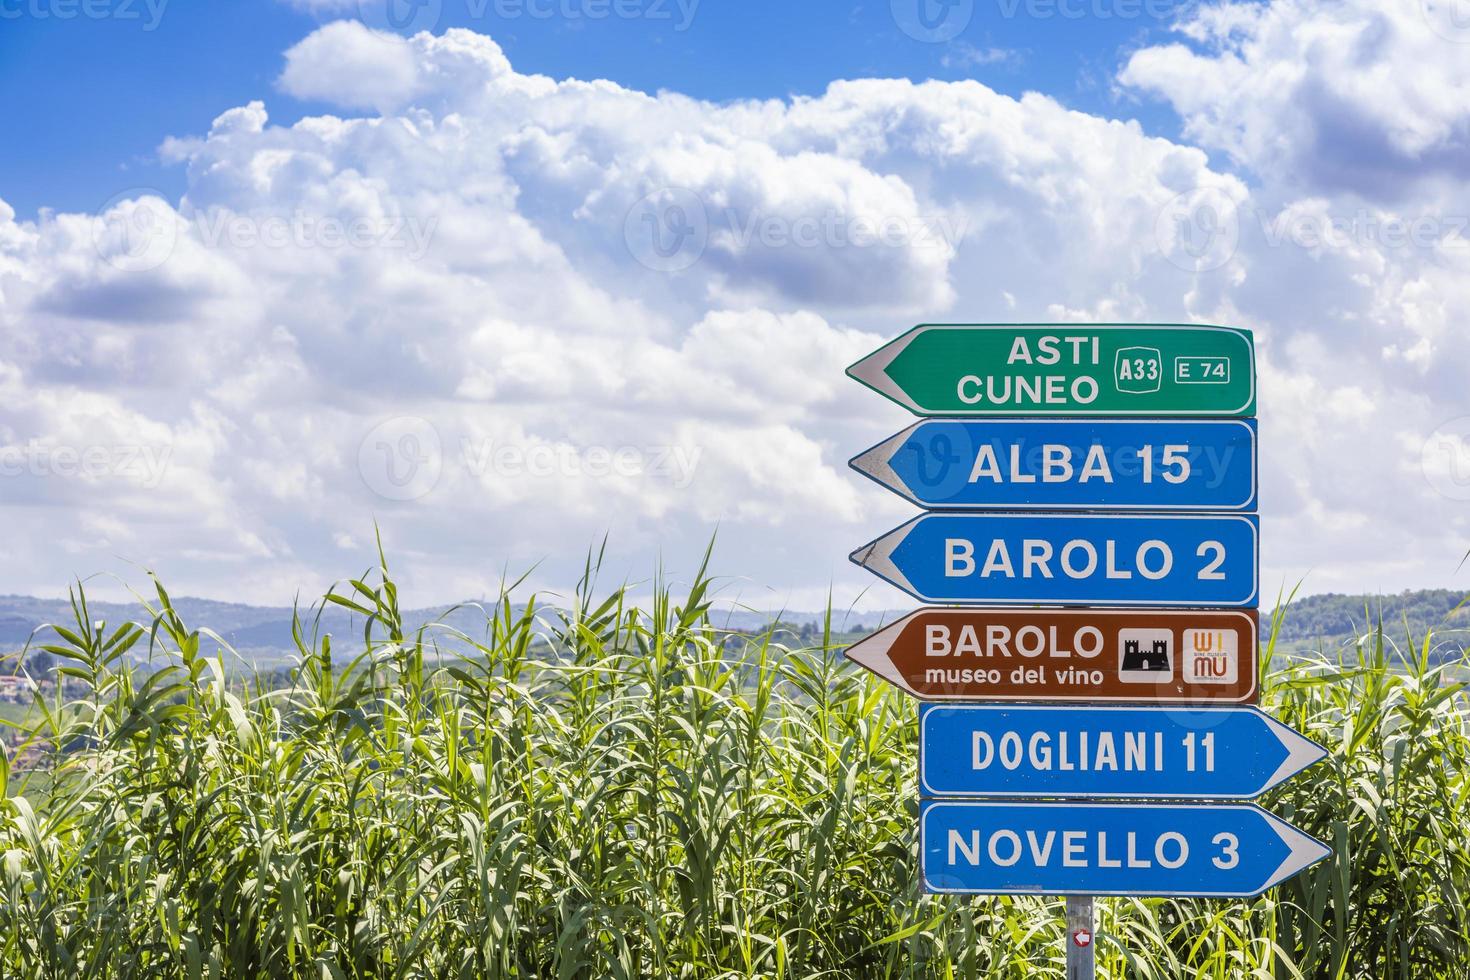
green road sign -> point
(1066, 369)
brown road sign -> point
(1160, 656)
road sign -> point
(1066, 369)
(1098, 751)
(1072, 559)
(1211, 850)
(1060, 464)
(1158, 656)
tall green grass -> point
(599, 790)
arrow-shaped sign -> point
(1157, 656)
(1066, 369)
(1100, 751)
(1064, 464)
(1210, 850)
(1071, 559)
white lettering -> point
(959, 557)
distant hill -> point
(263, 633)
(1332, 615)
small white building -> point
(16, 688)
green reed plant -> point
(599, 789)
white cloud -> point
(1363, 95)
(962, 54)
(352, 66)
(504, 314)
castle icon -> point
(1155, 658)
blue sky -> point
(270, 275)
(101, 92)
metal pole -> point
(1080, 964)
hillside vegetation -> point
(644, 802)
(1332, 615)
(262, 635)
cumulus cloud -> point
(349, 65)
(504, 314)
(1361, 95)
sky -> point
(272, 272)
(149, 68)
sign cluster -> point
(1090, 522)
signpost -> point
(1088, 465)
(1092, 559)
(1156, 656)
(1204, 851)
(1066, 369)
(1052, 464)
(1021, 751)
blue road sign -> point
(1072, 559)
(1211, 850)
(1061, 464)
(1097, 751)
